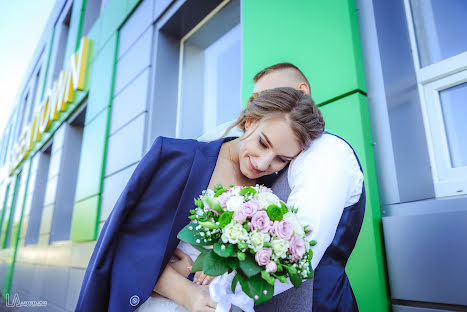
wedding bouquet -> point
(248, 233)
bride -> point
(278, 124)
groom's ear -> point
(303, 86)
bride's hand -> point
(202, 279)
(182, 266)
(200, 301)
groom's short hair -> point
(279, 66)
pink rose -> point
(296, 247)
(271, 267)
(251, 207)
(240, 216)
(261, 222)
(283, 229)
(223, 198)
(264, 189)
(263, 256)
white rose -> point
(267, 199)
(233, 233)
(257, 240)
(234, 203)
(297, 227)
(235, 191)
(279, 247)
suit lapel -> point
(200, 174)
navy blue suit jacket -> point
(139, 236)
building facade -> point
(109, 76)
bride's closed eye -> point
(260, 141)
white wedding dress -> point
(156, 304)
(219, 290)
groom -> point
(326, 183)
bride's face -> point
(268, 147)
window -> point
(40, 168)
(61, 42)
(197, 68)
(440, 61)
(91, 13)
(210, 72)
(67, 176)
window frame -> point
(432, 79)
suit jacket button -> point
(134, 300)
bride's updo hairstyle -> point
(297, 108)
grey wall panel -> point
(59, 137)
(74, 287)
(113, 187)
(51, 191)
(54, 166)
(139, 20)
(130, 102)
(411, 157)
(134, 61)
(426, 257)
(81, 253)
(126, 146)
(55, 285)
(401, 308)
(160, 7)
(385, 165)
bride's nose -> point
(264, 161)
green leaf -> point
(208, 225)
(311, 272)
(244, 284)
(313, 243)
(217, 188)
(233, 263)
(281, 278)
(259, 287)
(284, 208)
(267, 277)
(225, 218)
(247, 190)
(213, 204)
(225, 252)
(234, 283)
(241, 256)
(214, 265)
(295, 279)
(190, 236)
(198, 264)
(200, 248)
(249, 266)
(246, 227)
(199, 203)
(220, 192)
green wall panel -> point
(8, 209)
(15, 232)
(349, 118)
(320, 37)
(101, 79)
(74, 33)
(84, 212)
(112, 17)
